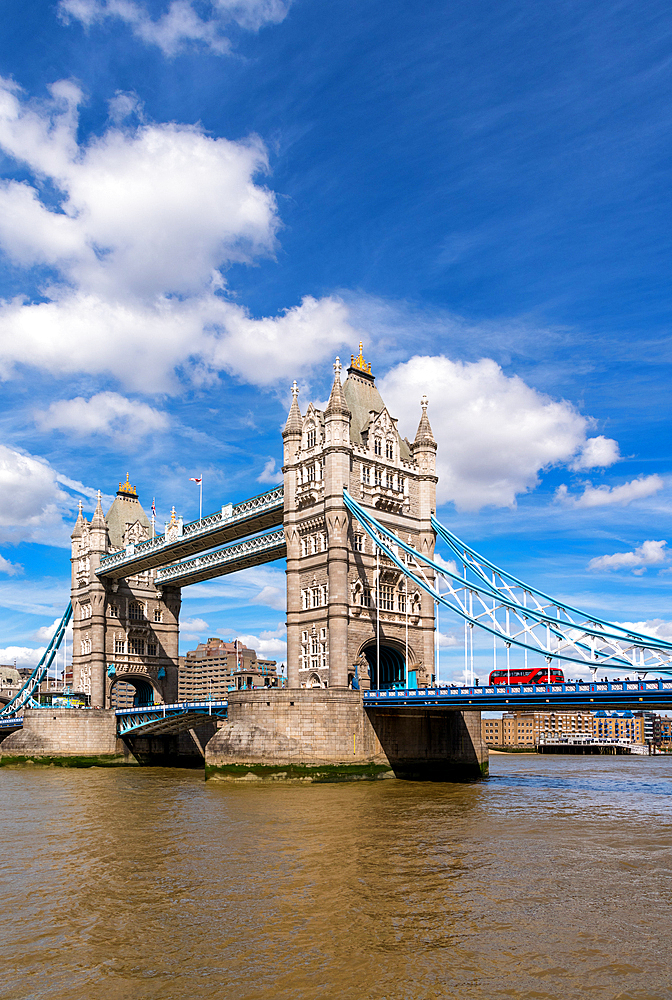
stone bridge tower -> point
(349, 611)
(123, 630)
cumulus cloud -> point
(271, 597)
(181, 21)
(496, 433)
(148, 219)
(596, 452)
(269, 645)
(269, 473)
(45, 633)
(656, 627)
(105, 413)
(602, 496)
(193, 628)
(24, 656)
(647, 554)
(10, 568)
(34, 505)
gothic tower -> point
(123, 630)
(349, 611)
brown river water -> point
(550, 880)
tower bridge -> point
(355, 519)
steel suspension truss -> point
(498, 603)
(25, 696)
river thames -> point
(550, 880)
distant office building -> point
(216, 667)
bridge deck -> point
(227, 525)
(163, 720)
(645, 694)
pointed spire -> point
(424, 435)
(98, 519)
(294, 423)
(337, 403)
(79, 523)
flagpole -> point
(200, 502)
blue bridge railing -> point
(654, 692)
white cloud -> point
(45, 633)
(448, 564)
(496, 433)
(647, 554)
(596, 452)
(33, 503)
(105, 413)
(657, 627)
(34, 507)
(23, 655)
(269, 645)
(271, 597)
(601, 496)
(196, 625)
(180, 22)
(10, 568)
(149, 217)
(269, 473)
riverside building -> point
(216, 667)
(525, 729)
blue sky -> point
(200, 202)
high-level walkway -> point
(233, 522)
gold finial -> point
(360, 362)
(173, 517)
(127, 488)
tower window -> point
(119, 646)
(157, 615)
(366, 474)
(136, 611)
(377, 447)
(387, 598)
(114, 611)
(359, 543)
(136, 646)
(151, 648)
(389, 450)
(311, 438)
(311, 473)
(378, 477)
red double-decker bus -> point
(518, 675)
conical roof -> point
(294, 419)
(424, 435)
(337, 401)
(79, 523)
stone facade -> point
(344, 602)
(123, 630)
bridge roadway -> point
(641, 694)
(161, 720)
(232, 522)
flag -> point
(192, 480)
(153, 508)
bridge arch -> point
(393, 666)
(140, 688)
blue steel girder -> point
(164, 720)
(519, 615)
(589, 695)
(251, 552)
(232, 522)
(24, 698)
